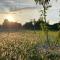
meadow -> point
(29, 45)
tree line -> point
(38, 25)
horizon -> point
(12, 22)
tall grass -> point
(27, 45)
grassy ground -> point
(29, 45)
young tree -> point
(33, 23)
(45, 5)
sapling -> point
(33, 23)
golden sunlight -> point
(10, 18)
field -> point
(29, 45)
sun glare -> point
(10, 18)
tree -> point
(5, 24)
(34, 23)
(45, 4)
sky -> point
(25, 10)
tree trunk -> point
(45, 28)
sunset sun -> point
(10, 18)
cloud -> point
(11, 5)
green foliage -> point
(42, 1)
